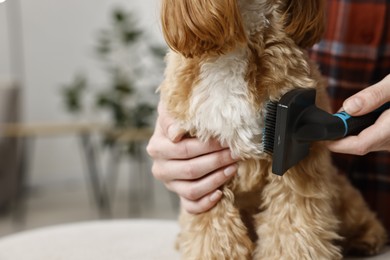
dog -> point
(227, 59)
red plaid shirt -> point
(354, 54)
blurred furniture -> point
(10, 149)
(101, 240)
(26, 133)
(122, 139)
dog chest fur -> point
(221, 105)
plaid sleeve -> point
(354, 54)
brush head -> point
(280, 123)
(269, 127)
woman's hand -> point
(375, 137)
(192, 169)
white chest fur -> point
(221, 106)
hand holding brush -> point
(294, 122)
(377, 136)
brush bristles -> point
(269, 127)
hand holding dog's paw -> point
(192, 169)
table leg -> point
(98, 187)
(20, 203)
(115, 154)
(146, 177)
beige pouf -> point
(101, 240)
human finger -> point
(163, 148)
(202, 205)
(195, 190)
(192, 169)
(368, 99)
(168, 126)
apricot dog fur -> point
(228, 58)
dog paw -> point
(368, 245)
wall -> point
(57, 42)
(4, 45)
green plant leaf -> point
(73, 93)
(118, 49)
(119, 15)
(131, 36)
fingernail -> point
(216, 195)
(174, 132)
(353, 105)
(234, 156)
(230, 170)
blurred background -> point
(77, 106)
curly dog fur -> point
(227, 59)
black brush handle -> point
(317, 125)
(354, 125)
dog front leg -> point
(293, 225)
(215, 235)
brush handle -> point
(315, 124)
(354, 125)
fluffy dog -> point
(228, 58)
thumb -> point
(368, 99)
(169, 126)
